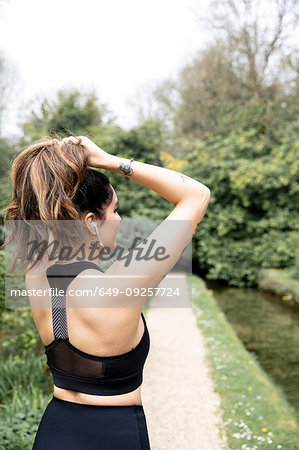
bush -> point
(20, 418)
(19, 333)
(21, 372)
(252, 218)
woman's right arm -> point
(189, 196)
(175, 187)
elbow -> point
(206, 194)
(207, 191)
(201, 192)
(203, 198)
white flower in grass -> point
(236, 435)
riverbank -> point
(256, 412)
(279, 282)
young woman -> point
(96, 354)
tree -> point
(252, 219)
(8, 76)
(156, 102)
(7, 152)
(72, 111)
(240, 22)
(239, 80)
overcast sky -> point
(113, 46)
(116, 47)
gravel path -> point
(180, 404)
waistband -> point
(104, 408)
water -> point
(269, 329)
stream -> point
(269, 329)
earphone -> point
(93, 224)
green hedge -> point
(252, 221)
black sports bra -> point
(76, 370)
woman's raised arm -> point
(171, 185)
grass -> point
(24, 393)
(255, 412)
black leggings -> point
(75, 426)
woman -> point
(96, 354)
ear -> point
(89, 220)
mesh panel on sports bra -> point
(63, 358)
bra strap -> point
(59, 317)
(60, 276)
